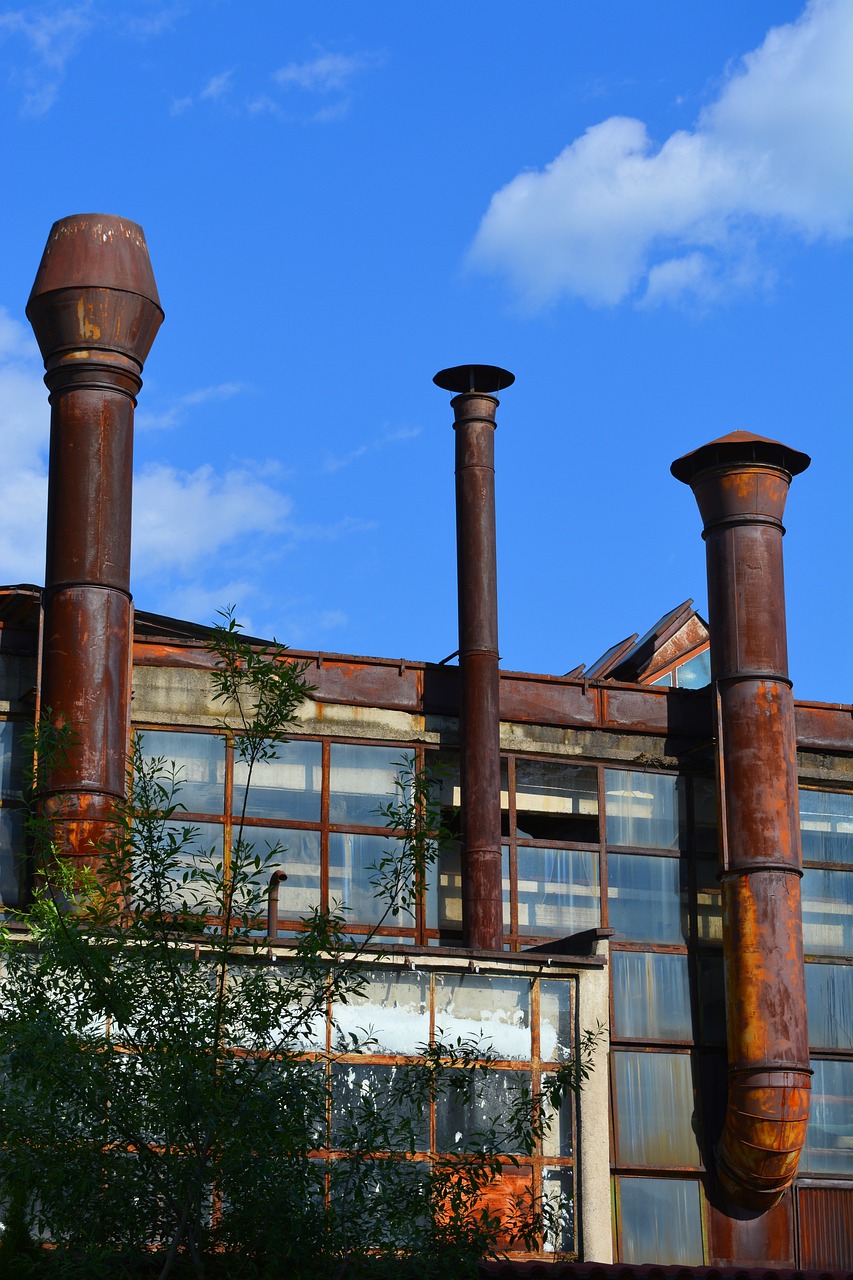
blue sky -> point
(643, 210)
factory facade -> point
(661, 844)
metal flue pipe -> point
(741, 483)
(95, 311)
(474, 407)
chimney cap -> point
(483, 379)
(96, 251)
(739, 447)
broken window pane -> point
(557, 890)
(646, 810)
(491, 1010)
(646, 898)
(651, 996)
(555, 801)
(287, 787)
(655, 1109)
(199, 761)
(363, 779)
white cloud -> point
(328, 72)
(51, 35)
(177, 411)
(332, 462)
(217, 85)
(615, 217)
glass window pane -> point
(555, 801)
(287, 787)
(353, 863)
(363, 779)
(444, 889)
(373, 1110)
(829, 1142)
(558, 1140)
(651, 996)
(829, 992)
(11, 759)
(646, 810)
(12, 859)
(300, 860)
(557, 890)
(827, 912)
(207, 843)
(695, 673)
(705, 815)
(709, 901)
(494, 1010)
(654, 1098)
(556, 1020)
(559, 1202)
(463, 1120)
(392, 1013)
(199, 761)
(826, 821)
(661, 1220)
(646, 898)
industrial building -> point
(661, 843)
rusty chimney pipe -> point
(741, 483)
(95, 312)
(474, 407)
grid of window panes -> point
(662, 901)
(526, 1025)
(826, 823)
(12, 861)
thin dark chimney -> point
(474, 406)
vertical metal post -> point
(741, 483)
(474, 407)
(95, 312)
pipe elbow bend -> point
(763, 1135)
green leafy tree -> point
(163, 1107)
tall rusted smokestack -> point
(741, 484)
(474, 407)
(95, 312)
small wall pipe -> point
(474, 407)
(741, 484)
(95, 312)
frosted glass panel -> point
(829, 992)
(654, 1093)
(646, 898)
(829, 1141)
(646, 810)
(353, 862)
(556, 1029)
(287, 787)
(651, 996)
(661, 1220)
